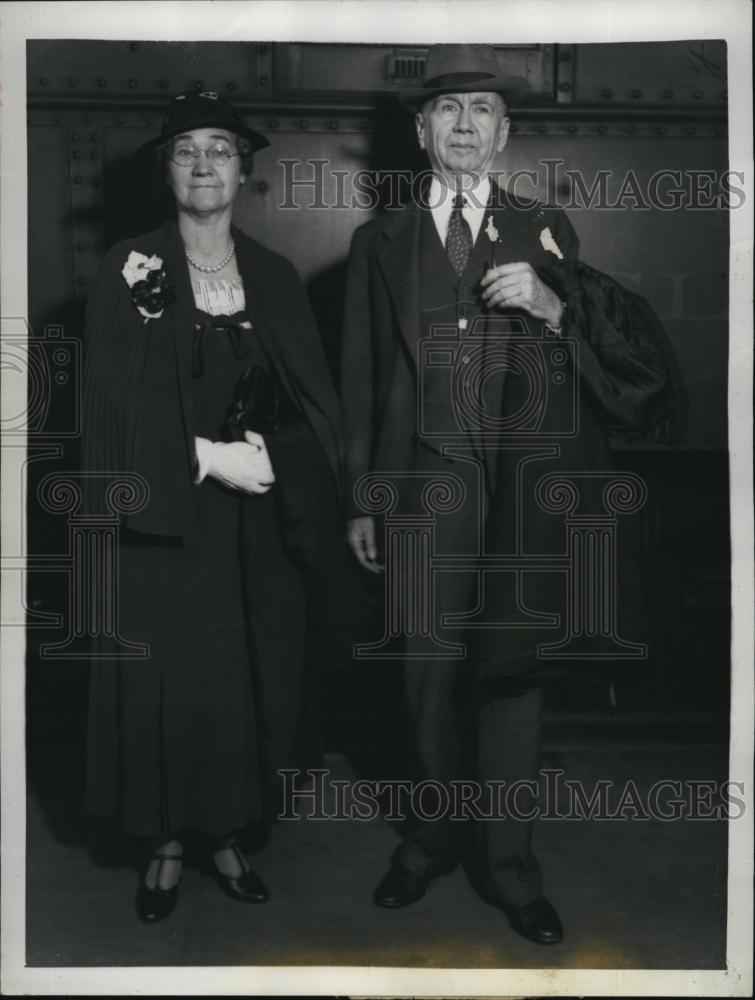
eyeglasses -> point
(218, 155)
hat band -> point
(457, 79)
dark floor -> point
(643, 894)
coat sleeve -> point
(114, 357)
(623, 355)
(356, 379)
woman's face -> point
(204, 187)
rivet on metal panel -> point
(303, 124)
(513, 127)
(101, 81)
(668, 94)
(698, 94)
(632, 130)
(230, 86)
(119, 119)
(263, 81)
(602, 129)
(262, 186)
(565, 87)
(58, 119)
(43, 81)
(573, 128)
(132, 83)
(661, 130)
(150, 119)
(72, 81)
(76, 154)
(79, 247)
(542, 128)
(95, 137)
(333, 125)
(272, 123)
(364, 126)
(74, 137)
(94, 155)
(636, 94)
(607, 93)
(199, 85)
(164, 85)
(691, 130)
(87, 119)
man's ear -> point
(503, 132)
(419, 124)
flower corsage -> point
(492, 234)
(148, 283)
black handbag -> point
(256, 406)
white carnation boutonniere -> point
(492, 234)
(548, 243)
(148, 284)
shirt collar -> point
(442, 196)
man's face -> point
(462, 133)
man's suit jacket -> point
(621, 373)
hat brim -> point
(511, 89)
(255, 139)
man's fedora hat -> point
(463, 69)
(203, 109)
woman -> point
(197, 338)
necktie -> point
(459, 238)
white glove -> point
(240, 465)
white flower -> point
(136, 267)
(491, 230)
(548, 243)
(147, 283)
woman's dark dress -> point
(173, 741)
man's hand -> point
(360, 533)
(516, 286)
(242, 465)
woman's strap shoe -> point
(247, 887)
(157, 904)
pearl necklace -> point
(211, 268)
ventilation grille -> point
(406, 65)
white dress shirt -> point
(441, 202)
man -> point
(467, 260)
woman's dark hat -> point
(203, 109)
(463, 69)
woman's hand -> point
(240, 465)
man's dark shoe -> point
(400, 887)
(537, 921)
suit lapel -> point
(398, 259)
